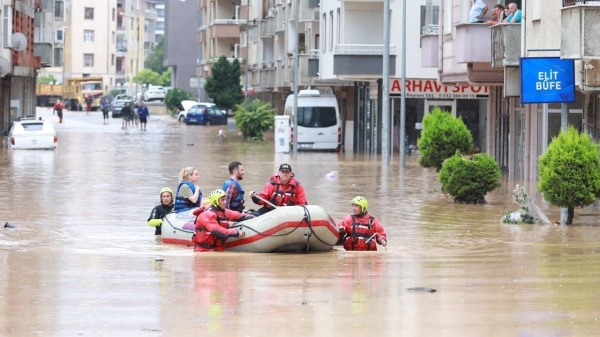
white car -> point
(29, 133)
(187, 105)
(155, 94)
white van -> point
(319, 124)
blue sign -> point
(547, 80)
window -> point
(160, 12)
(430, 19)
(113, 37)
(339, 27)
(112, 59)
(88, 60)
(59, 36)
(59, 9)
(6, 25)
(160, 25)
(32, 126)
(330, 30)
(88, 13)
(324, 31)
(113, 14)
(58, 57)
(88, 36)
(92, 86)
(317, 117)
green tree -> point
(155, 59)
(224, 85)
(442, 136)
(147, 76)
(468, 179)
(165, 78)
(45, 79)
(570, 171)
(174, 97)
(254, 118)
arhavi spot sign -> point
(547, 80)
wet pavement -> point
(81, 258)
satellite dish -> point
(4, 66)
(18, 41)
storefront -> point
(423, 95)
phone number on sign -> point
(441, 96)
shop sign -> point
(547, 80)
(432, 89)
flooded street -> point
(81, 258)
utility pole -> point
(247, 48)
(385, 121)
(402, 122)
(296, 66)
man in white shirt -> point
(478, 11)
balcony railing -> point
(577, 2)
(430, 30)
(579, 33)
(506, 45)
(267, 27)
(362, 49)
(228, 22)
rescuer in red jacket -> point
(281, 190)
(212, 224)
(361, 229)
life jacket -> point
(203, 238)
(360, 233)
(237, 204)
(285, 197)
(183, 204)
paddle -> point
(265, 201)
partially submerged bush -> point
(442, 136)
(468, 179)
(254, 118)
(174, 97)
(570, 171)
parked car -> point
(119, 103)
(30, 133)
(186, 105)
(206, 115)
(155, 93)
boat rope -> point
(265, 235)
(309, 222)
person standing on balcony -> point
(514, 15)
(478, 10)
(497, 15)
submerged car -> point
(206, 115)
(118, 104)
(186, 106)
(29, 133)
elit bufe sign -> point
(547, 80)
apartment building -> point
(151, 18)
(182, 19)
(130, 43)
(517, 133)
(19, 59)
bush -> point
(570, 171)
(174, 97)
(468, 179)
(254, 118)
(442, 136)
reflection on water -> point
(81, 258)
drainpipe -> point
(440, 44)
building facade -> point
(19, 58)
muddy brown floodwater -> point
(81, 258)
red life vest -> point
(203, 238)
(284, 196)
(360, 233)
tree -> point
(442, 136)
(224, 85)
(570, 171)
(46, 79)
(254, 118)
(468, 179)
(155, 59)
(165, 78)
(174, 97)
(147, 76)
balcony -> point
(150, 15)
(314, 3)
(473, 43)
(579, 33)
(44, 51)
(506, 45)
(213, 60)
(306, 13)
(267, 78)
(430, 46)
(202, 36)
(280, 74)
(303, 77)
(313, 63)
(149, 37)
(267, 27)
(223, 28)
(361, 59)
(121, 51)
(280, 20)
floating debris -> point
(9, 225)
(420, 290)
(159, 258)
